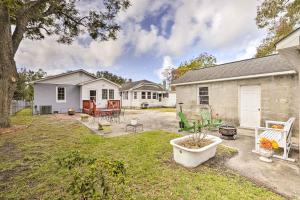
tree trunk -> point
(8, 71)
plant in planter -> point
(192, 150)
(267, 148)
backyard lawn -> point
(28, 166)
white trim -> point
(63, 74)
(146, 84)
(65, 93)
(99, 79)
(96, 94)
(109, 94)
(198, 95)
(238, 78)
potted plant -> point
(192, 150)
(267, 148)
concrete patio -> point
(280, 176)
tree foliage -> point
(203, 60)
(39, 18)
(112, 77)
(36, 19)
(24, 89)
(279, 17)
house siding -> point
(69, 79)
(45, 94)
(98, 86)
(279, 99)
(136, 103)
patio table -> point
(134, 126)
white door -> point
(250, 106)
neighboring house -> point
(247, 92)
(58, 93)
(134, 94)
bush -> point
(94, 178)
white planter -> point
(194, 157)
(266, 155)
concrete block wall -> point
(279, 99)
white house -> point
(58, 93)
(134, 94)
(100, 90)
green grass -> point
(28, 169)
(163, 109)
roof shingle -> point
(130, 85)
(255, 66)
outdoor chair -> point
(207, 120)
(115, 116)
(187, 126)
(281, 136)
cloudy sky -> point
(155, 34)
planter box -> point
(194, 157)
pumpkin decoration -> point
(277, 126)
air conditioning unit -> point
(45, 110)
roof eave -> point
(237, 78)
(91, 81)
(64, 74)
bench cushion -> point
(273, 135)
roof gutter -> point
(238, 78)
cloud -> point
(249, 51)
(140, 9)
(52, 56)
(159, 28)
(166, 64)
(198, 23)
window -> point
(143, 95)
(104, 93)
(154, 95)
(61, 94)
(111, 94)
(148, 95)
(166, 95)
(125, 95)
(93, 95)
(135, 95)
(203, 95)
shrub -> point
(94, 178)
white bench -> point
(281, 136)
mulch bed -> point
(195, 144)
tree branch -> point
(76, 21)
(22, 21)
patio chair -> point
(87, 107)
(281, 136)
(208, 121)
(186, 125)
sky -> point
(155, 35)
